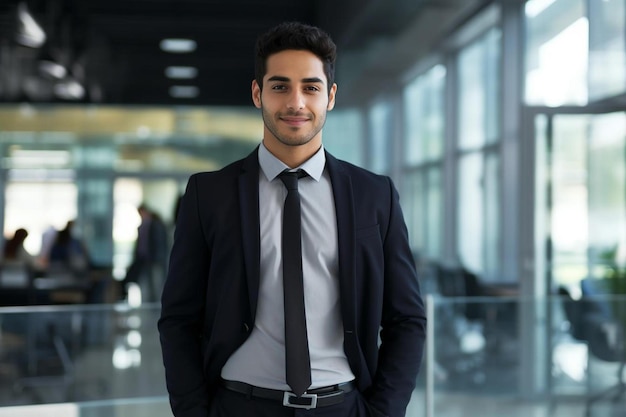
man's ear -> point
(256, 94)
(331, 97)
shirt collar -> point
(272, 166)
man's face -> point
(294, 99)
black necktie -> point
(297, 361)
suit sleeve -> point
(403, 326)
(183, 300)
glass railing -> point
(487, 356)
(514, 356)
(79, 354)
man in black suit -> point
(222, 324)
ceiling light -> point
(52, 69)
(29, 32)
(184, 91)
(69, 90)
(181, 73)
(178, 45)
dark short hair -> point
(295, 36)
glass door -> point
(582, 201)
(580, 222)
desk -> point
(61, 289)
(20, 286)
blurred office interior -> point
(501, 122)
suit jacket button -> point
(246, 328)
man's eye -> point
(279, 87)
(312, 88)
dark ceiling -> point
(110, 48)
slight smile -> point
(294, 121)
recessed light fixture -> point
(178, 45)
(184, 91)
(52, 69)
(181, 73)
(69, 90)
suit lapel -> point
(344, 208)
(250, 229)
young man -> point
(223, 325)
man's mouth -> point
(294, 120)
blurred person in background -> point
(148, 267)
(14, 250)
(47, 239)
(17, 268)
(68, 253)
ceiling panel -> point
(110, 48)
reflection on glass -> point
(124, 358)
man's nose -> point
(296, 100)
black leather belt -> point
(316, 397)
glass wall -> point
(585, 184)
(381, 133)
(423, 161)
(569, 196)
(477, 237)
(607, 193)
(95, 361)
(424, 121)
(343, 135)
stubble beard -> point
(294, 139)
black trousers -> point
(233, 404)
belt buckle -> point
(288, 395)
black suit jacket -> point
(210, 296)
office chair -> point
(461, 350)
(604, 337)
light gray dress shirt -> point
(260, 360)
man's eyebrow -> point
(278, 78)
(304, 80)
(313, 80)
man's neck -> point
(293, 156)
